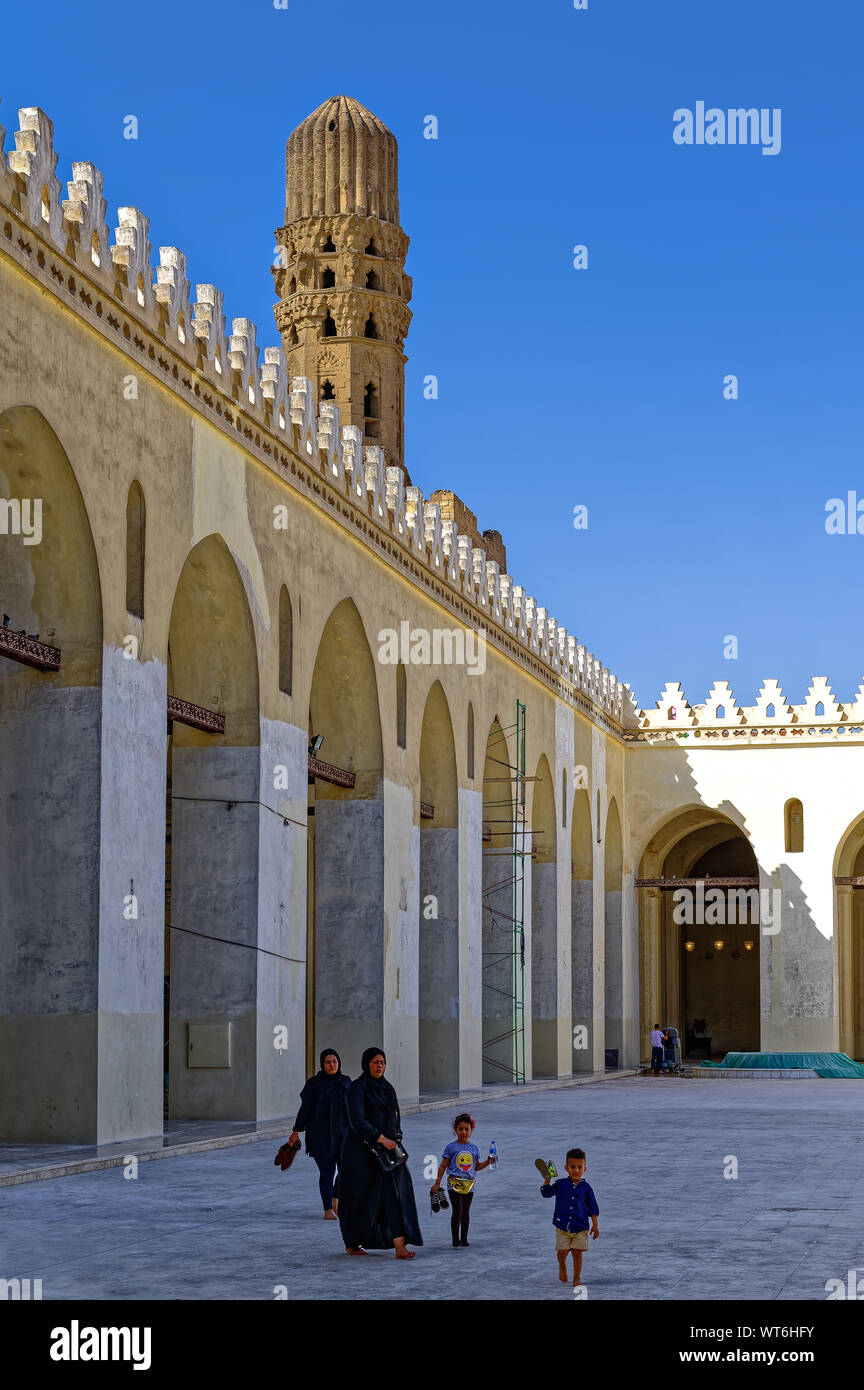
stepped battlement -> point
(820, 717)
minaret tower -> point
(343, 293)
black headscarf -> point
(323, 1082)
(381, 1098)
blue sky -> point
(600, 387)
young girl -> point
(461, 1162)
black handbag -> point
(389, 1159)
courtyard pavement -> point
(227, 1224)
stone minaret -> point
(343, 293)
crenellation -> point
(85, 214)
(131, 253)
(396, 499)
(34, 160)
(208, 326)
(373, 458)
(819, 695)
(302, 412)
(243, 356)
(771, 706)
(330, 441)
(352, 454)
(274, 386)
(432, 525)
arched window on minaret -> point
(328, 278)
(292, 336)
(370, 331)
(370, 402)
(327, 392)
(370, 249)
(292, 285)
(328, 245)
(372, 281)
(329, 326)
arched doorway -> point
(50, 766)
(849, 932)
(212, 839)
(700, 935)
(544, 925)
(345, 903)
(439, 899)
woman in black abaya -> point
(323, 1115)
(376, 1209)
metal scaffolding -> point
(511, 925)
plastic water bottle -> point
(493, 1154)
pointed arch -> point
(345, 847)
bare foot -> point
(562, 1273)
(358, 1251)
(330, 1215)
(405, 1254)
(577, 1283)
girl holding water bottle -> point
(461, 1162)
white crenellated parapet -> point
(478, 571)
(86, 209)
(820, 706)
(171, 289)
(464, 546)
(771, 706)
(719, 709)
(35, 161)
(672, 710)
(395, 490)
(330, 441)
(630, 712)
(243, 355)
(493, 590)
(434, 547)
(854, 711)
(352, 456)
(414, 503)
(302, 412)
(274, 385)
(373, 459)
(208, 326)
(131, 256)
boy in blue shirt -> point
(574, 1203)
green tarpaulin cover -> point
(835, 1065)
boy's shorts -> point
(571, 1240)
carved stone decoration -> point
(396, 499)
(373, 459)
(302, 407)
(85, 209)
(34, 160)
(352, 454)
(330, 440)
(274, 384)
(208, 325)
(243, 355)
(131, 256)
(172, 288)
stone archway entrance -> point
(699, 936)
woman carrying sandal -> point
(323, 1116)
(376, 1207)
